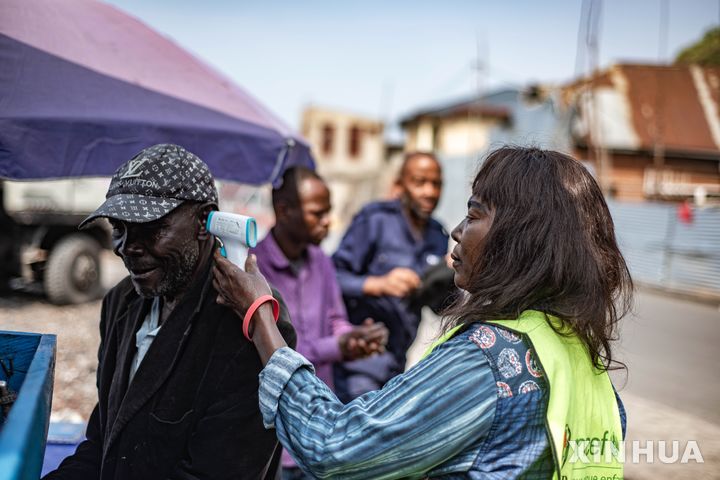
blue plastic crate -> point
(27, 363)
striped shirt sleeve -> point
(418, 421)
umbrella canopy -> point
(83, 87)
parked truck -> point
(41, 247)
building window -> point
(328, 132)
(354, 145)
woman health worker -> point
(517, 385)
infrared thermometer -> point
(237, 233)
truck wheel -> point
(72, 271)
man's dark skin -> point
(419, 185)
(164, 257)
(307, 222)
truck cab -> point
(41, 248)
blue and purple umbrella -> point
(83, 87)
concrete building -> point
(649, 131)
(349, 151)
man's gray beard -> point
(414, 209)
(178, 278)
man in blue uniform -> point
(386, 250)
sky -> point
(386, 59)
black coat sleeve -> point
(84, 464)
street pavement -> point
(670, 345)
(672, 386)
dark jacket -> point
(378, 240)
(191, 410)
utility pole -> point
(596, 143)
(479, 66)
(658, 141)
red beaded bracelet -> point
(253, 308)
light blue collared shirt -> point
(145, 335)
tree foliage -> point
(704, 52)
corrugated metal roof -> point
(641, 106)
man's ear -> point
(282, 210)
(396, 189)
(205, 210)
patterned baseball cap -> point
(155, 182)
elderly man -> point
(177, 380)
(292, 261)
(380, 261)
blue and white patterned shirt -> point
(433, 420)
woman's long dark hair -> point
(551, 247)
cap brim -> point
(133, 208)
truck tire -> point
(72, 271)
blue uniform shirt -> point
(378, 240)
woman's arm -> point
(443, 406)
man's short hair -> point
(287, 192)
(410, 156)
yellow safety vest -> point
(582, 419)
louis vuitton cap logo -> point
(134, 169)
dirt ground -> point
(76, 327)
(78, 339)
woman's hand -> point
(238, 289)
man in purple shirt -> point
(292, 262)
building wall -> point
(424, 137)
(337, 154)
(464, 136)
(449, 136)
(634, 108)
(634, 177)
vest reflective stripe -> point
(582, 419)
